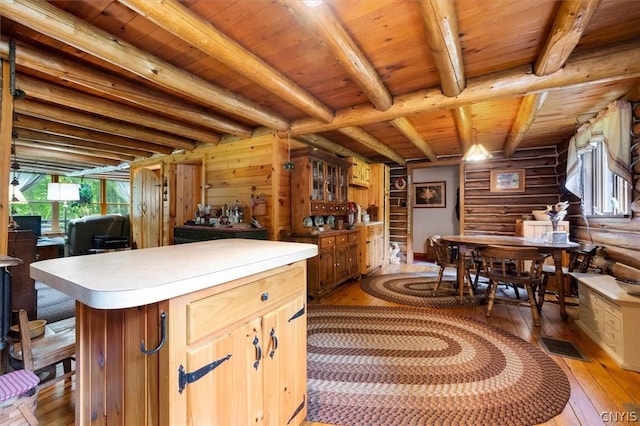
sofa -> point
(91, 232)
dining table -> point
(466, 243)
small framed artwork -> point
(430, 194)
(511, 180)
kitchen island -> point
(211, 332)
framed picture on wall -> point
(511, 180)
(430, 194)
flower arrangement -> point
(556, 213)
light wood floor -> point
(600, 389)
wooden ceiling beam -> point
(529, 108)
(373, 143)
(36, 109)
(136, 147)
(319, 141)
(441, 23)
(571, 20)
(321, 22)
(66, 70)
(58, 95)
(583, 69)
(68, 29)
(108, 151)
(46, 152)
(404, 126)
(464, 125)
(54, 148)
(181, 22)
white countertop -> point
(126, 279)
(369, 223)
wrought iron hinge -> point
(298, 314)
(185, 378)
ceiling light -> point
(476, 152)
(312, 3)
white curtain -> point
(613, 123)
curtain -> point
(616, 123)
(613, 123)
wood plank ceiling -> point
(386, 80)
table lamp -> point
(63, 192)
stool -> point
(18, 398)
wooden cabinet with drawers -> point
(336, 263)
(610, 317)
(318, 187)
(371, 246)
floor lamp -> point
(63, 192)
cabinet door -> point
(317, 180)
(341, 263)
(326, 273)
(352, 259)
(230, 393)
(284, 334)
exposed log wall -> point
(619, 239)
(398, 213)
(495, 213)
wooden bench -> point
(57, 345)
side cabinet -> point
(609, 316)
(336, 263)
(234, 354)
(371, 247)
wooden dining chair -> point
(446, 256)
(46, 351)
(517, 266)
(580, 260)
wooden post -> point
(6, 123)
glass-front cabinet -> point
(318, 188)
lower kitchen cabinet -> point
(336, 263)
(610, 317)
(235, 354)
(371, 246)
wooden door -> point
(284, 362)
(147, 209)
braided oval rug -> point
(372, 365)
(416, 289)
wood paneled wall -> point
(233, 171)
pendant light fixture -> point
(476, 152)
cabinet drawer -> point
(327, 242)
(353, 238)
(318, 207)
(229, 307)
(341, 240)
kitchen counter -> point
(153, 324)
(139, 277)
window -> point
(34, 188)
(605, 193)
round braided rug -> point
(372, 365)
(416, 289)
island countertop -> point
(126, 279)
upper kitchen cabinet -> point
(358, 173)
(318, 187)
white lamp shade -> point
(16, 196)
(63, 192)
(476, 152)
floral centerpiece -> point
(556, 213)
